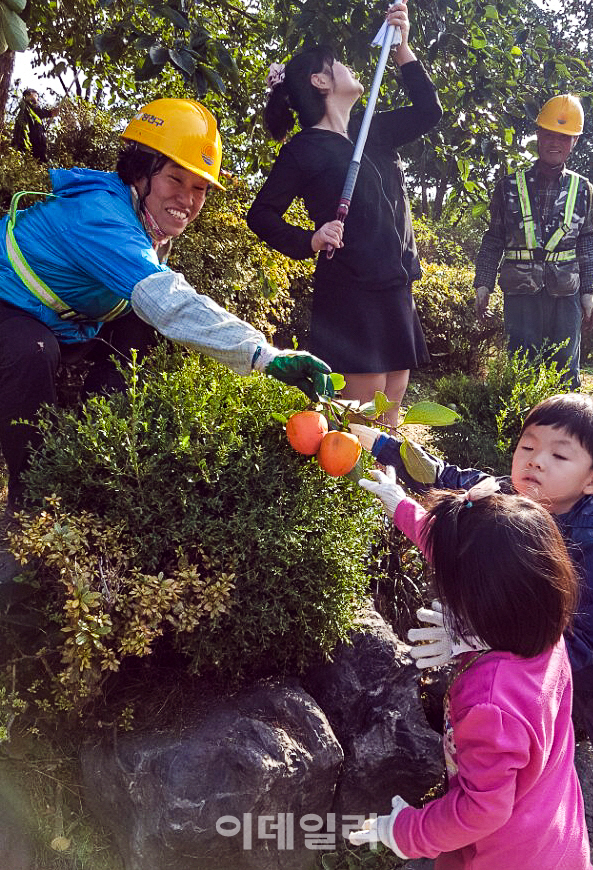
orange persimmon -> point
(339, 452)
(305, 431)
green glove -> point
(297, 369)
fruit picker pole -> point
(352, 174)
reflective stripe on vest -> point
(549, 253)
(33, 282)
(549, 256)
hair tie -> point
(275, 75)
(485, 487)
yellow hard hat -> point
(563, 114)
(183, 130)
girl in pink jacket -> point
(513, 800)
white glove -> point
(438, 645)
(587, 308)
(385, 487)
(381, 829)
(482, 297)
(367, 435)
(435, 643)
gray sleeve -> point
(166, 301)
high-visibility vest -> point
(533, 252)
(33, 282)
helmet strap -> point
(160, 241)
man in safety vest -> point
(29, 133)
(92, 258)
(540, 242)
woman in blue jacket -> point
(84, 274)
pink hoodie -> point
(514, 801)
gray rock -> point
(258, 754)
(369, 693)
(16, 842)
(583, 759)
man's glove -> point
(385, 487)
(482, 297)
(295, 368)
(437, 645)
(381, 829)
(587, 308)
(367, 435)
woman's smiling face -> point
(176, 197)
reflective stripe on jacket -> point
(86, 244)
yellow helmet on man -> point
(562, 114)
(183, 130)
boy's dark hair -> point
(502, 569)
(135, 162)
(297, 94)
(572, 412)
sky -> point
(31, 78)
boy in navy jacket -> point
(553, 464)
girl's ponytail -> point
(278, 117)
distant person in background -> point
(540, 243)
(29, 132)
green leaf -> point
(183, 60)
(416, 463)
(159, 55)
(382, 403)
(330, 861)
(356, 473)
(214, 80)
(15, 5)
(338, 381)
(491, 12)
(176, 18)
(144, 42)
(279, 417)
(377, 406)
(15, 29)
(430, 414)
(148, 70)
(479, 209)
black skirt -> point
(367, 331)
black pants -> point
(30, 355)
(583, 699)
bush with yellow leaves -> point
(109, 608)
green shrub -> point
(222, 258)
(436, 243)
(493, 409)
(18, 172)
(84, 135)
(457, 341)
(181, 494)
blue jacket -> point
(576, 527)
(86, 244)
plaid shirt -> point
(492, 247)
(172, 306)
